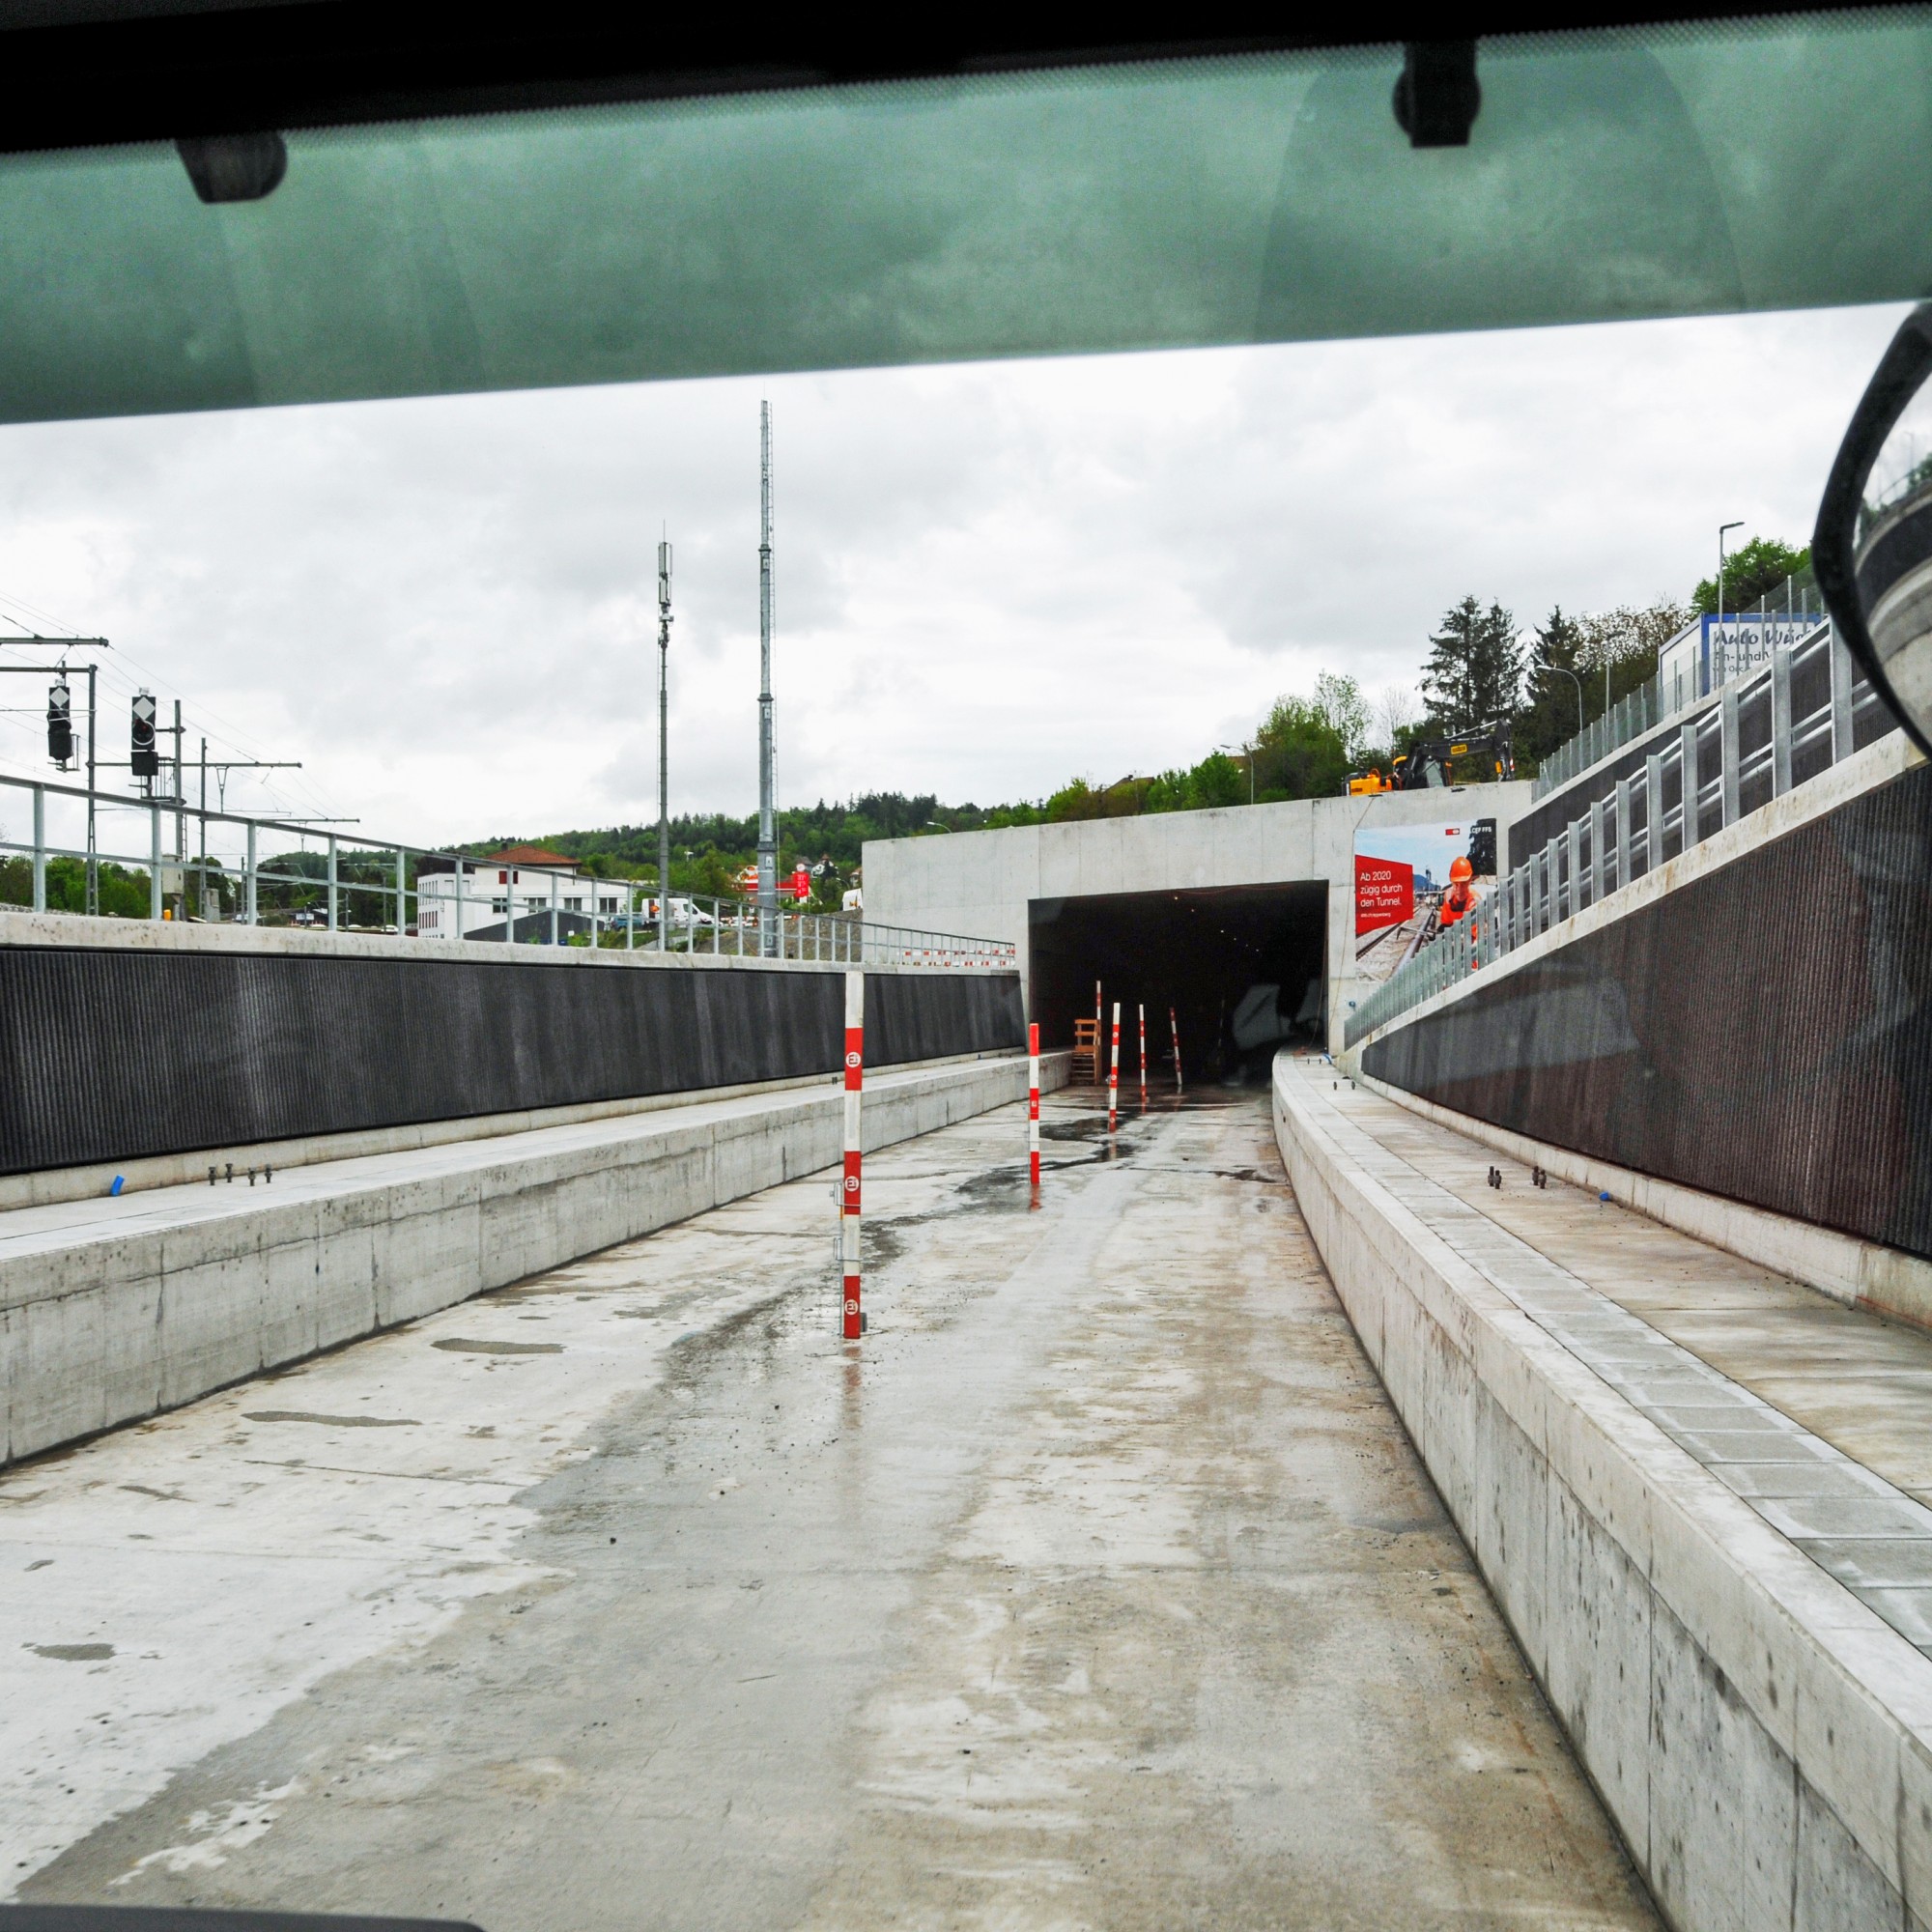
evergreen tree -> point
(1549, 717)
(1474, 674)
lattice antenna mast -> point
(768, 844)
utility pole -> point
(64, 645)
(768, 845)
(663, 748)
(180, 821)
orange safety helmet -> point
(1460, 872)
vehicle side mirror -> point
(1872, 549)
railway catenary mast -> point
(768, 847)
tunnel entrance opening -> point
(1208, 953)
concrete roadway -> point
(1097, 1587)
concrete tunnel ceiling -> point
(1201, 951)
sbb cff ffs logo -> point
(143, 760)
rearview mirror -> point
(1872, 550)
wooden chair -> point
(1087, 1047)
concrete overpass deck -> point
(1099, 1586)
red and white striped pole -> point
(1113, 1073)
(1033, 1103)
(1143, 1014)
(1099, 1016)
(848, 1192)
(1174, 1026)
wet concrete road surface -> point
(1098, 1588)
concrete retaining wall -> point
(1762, 1742)
(113, 1310)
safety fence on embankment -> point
(1751, 1020)
(1798, 711)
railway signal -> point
(60, 724)
(144, 757)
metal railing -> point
(1733, 646)
(224, 867)
(1803, 711)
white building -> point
(455, 900)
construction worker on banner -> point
(1461, 897)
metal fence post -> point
(402, 892)
(1841, 698)
(1728, 753)
(460, 868)
(251, 914)
(1623, 833)
(153, 862)
(1780, 721)
(39, 849)
(332, 883)
(1694, 786)
(1598, 869)
(1653, 811)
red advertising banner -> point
(1384, 892)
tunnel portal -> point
(1203, 953)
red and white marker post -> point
(1033, 1103)
(1113, 1073)
(1143, 1015)
(1174, 1027)
(1099, 1017)
(848, 1190)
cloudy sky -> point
(990, 578)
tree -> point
(1339, 699)
(1396, 710)
(1751, 571)
(1550, 703)
(1474, 674)
(1300, 752)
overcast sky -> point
(989, 578)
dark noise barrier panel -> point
(111, 1054)
(1763, 1033)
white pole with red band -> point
(1174, 1026)
(848, 1190)
(1099, 1016)
(1113, 1073)
(1032, 1102)
(1142, 1011)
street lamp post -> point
(1722, 529)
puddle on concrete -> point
(73, 1653)
(461, 1345)
(329, 1421)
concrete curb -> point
(1761, 1739)
(142, 1305)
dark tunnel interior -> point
(1204, 954)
